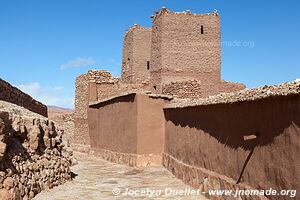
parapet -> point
(284, 89)
(137, 27)
(164, 10)
(101, 76)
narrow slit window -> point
(154, 87)
(148, 65)
(202, 30)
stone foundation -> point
(204, 179)
(133, 160)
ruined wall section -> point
(195, 89)
(13, 95)
(33, 156)
(127, 57)
(81, 106)
(156, 56)
(136, 55)
(187, 47)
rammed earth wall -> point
(207, 143)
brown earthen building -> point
(169, 107)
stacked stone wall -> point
(33, 156)
(12, 94)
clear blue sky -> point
(44, 45)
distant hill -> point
(55, 111)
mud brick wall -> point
(180, 51)
(126, 124)
(210, 138)
(12, 94)
(136, 55)
(96, 85)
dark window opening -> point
(148, 65)
(128, 58)
(202, 30)
(154, 87)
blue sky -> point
(44, 45)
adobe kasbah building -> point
(171, 107)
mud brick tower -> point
(185, 46)
(136, 55)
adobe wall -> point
(95, 86)
(205, 144)
(115, 128)
(121, 127)
(136, 54)
(179, 50)
(13, 95)
(150, 124)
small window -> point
(128, 58)
(202, 30)
(154, 87)
(148, 65)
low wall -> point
(128, 129)
(12, 94)
(212, 139)
(197, 89)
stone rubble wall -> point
(81, 106)
(67, 122)
(193, 89)
(12, 94)
(33, 156)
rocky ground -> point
(97, 179)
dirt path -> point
(99, 179)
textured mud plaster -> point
(130, 124)
(212, 137)
(180, 51)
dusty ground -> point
(98, 178)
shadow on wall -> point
(229, 123)
(212, 137)
(119, 99)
